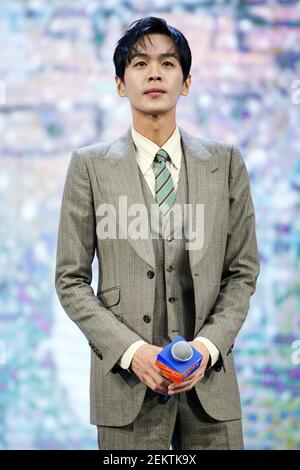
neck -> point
(155, 128)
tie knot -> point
(161, 156)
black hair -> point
(126, 45)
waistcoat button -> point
(147, 319)
(150, 274)
(169, 268)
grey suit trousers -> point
(181, 422)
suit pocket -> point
(110, 297)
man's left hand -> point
(190, 382)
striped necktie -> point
(164, 186)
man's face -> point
(152, 69)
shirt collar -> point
(147, 149)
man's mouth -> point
(155, 94)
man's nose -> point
(154, 72)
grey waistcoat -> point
(173, 278)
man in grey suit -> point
(154, 288)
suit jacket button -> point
(147, 319)
(172, 299)
(169, 269)
(150, 274)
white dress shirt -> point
(145, 153)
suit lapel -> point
(202, 189)
(119, 173)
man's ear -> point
(120, 86)
(186, 85)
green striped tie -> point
(164, 186)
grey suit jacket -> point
(224, 269)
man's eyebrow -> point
(164, 54)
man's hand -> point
(191, 381)
(143, 365)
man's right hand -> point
(143, 365)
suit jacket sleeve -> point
(241, 263)
(108, 337)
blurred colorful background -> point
(57, 93)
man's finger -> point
(187, 380)
(186, 388)
(192, 376)
(180, 387)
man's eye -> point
(142, 62)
